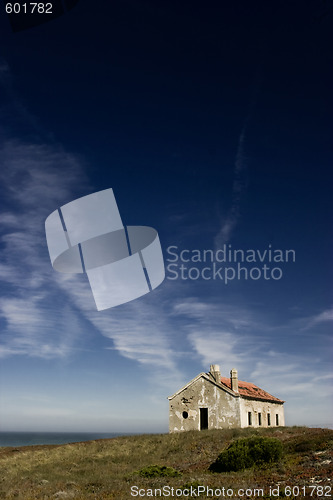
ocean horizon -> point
(21, 438)
(18, 439)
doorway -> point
(203, 419)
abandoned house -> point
(210, 401)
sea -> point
(17, 439)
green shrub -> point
(158, 471)
(246, 453)
(307, 444)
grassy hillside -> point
(107, 469)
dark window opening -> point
(277, 419)
(185, 414)
(259, 418)
(249, 418)
(268, 419)
(203, 419)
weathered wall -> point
(223, 408)
(263, 407)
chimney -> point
(215, 372)
(234, 380)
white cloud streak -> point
(40, 321)
(44, 314)
(218, 335)
(317, 319)
(230, 221)
(32, 184)
(140, 330)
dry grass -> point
(106, 469)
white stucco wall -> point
(223, 408)
(263, 407)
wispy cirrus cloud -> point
(139, 330)
(302, 381)
(32, 183)
(234, 336)
(221, 333)
(317, 319)
(230, 220)
(240, 178)
(213, 312)
(35, 329)
(35, 180)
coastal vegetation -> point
(141, 466)
(248, 452)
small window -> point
(249, 418)
(268, 419)
(259, 418)
(185, 414)
(277, 419)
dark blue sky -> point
(212, 122)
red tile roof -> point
(251, 391)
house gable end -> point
(210, 379)
(191, 382)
